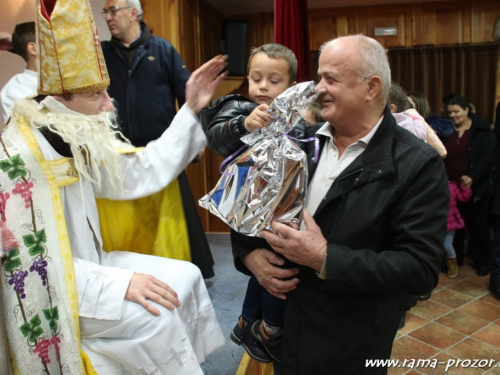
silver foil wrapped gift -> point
(267, 181)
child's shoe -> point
(242, 335)
(452, 267)
(272, 344)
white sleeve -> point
(101, 290)
(7, 101)
(149, 171)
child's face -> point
(267, 78)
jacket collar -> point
(145, 35)
(374, 163)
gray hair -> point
(136, 4)
(372, 61)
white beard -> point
(92, 139)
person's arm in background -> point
(432, 139)
(5, 41)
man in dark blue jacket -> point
(147, 76)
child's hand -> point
(258, 118)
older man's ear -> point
(374, 87)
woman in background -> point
(470, 155)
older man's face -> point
(342, 93)
(122, 20)
(89, 104)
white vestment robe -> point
(18, 87)
(121, 337)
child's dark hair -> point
(277, 51)
(24, 33)
(398, 97)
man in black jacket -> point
(379, 202)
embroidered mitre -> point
(70, 55)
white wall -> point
(13, 12)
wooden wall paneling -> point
(387, 16)
(484, 16)
(189, 33)
(153, 16)
(162, 17)
(260, 28)
(446, 22)
(361, 17)
(327, 24)
(417, 25)
(211, 31)
(190, 42)
(171, 22)
(408, 26)
(321, 29)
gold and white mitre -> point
(70, 55)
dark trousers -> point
(259, 303)
(475, 215)
(495, 256)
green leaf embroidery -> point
(16, 173)
(41, 236)
(37, 249)
(29, 240)
(17, 160)
(33, 242)
(25, 329)
(11, 261)
(53, 325)
(47, 314)
(14, 167)
(37, 332)
(5, 165)
(52, 315)
(35, 321)
(32, 329)
(55, 312)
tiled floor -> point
(460, 321)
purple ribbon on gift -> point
(226, 161)
(316, 144)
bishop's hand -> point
(203, 81)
